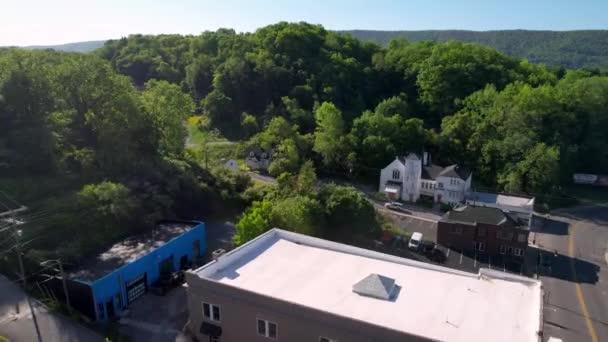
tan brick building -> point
(284, 286)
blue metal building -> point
(114, 279)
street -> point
(575, 276)
(17, 322)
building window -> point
(479, 246)
(456, 229)
(267, 328)
(522, 238)
(502, 235)
(481, 231)
(396, 174)
(326, 339)
(503, 249)
(518, 252)
(440, 185)
(211, 312)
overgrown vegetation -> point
(111, 126)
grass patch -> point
(200, 132)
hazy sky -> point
(27, 22)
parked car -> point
(436, 255)
(415, 241)
(426, 247)
(396, 206)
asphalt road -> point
(574, 246)
(17, 321)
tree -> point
(286, 158)
(255, 222)
(347, 209)
(168, 108)
(391, 106)
(107, 202)
(249, 125)
(306, 182)
(537, 173)
(329, 134)
(299, 214)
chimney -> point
(425, 158)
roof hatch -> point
(377, 286)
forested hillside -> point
(352, 105)
(567, 49)
(110, 124)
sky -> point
(44, 22)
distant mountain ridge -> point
(87, 46)
(568, 49)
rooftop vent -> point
(376, 286)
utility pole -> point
(17, 234)
(63, 280)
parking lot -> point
(411, 224)
(470, 262)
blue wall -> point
(110, 285)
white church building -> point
(408, 178)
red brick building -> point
(482, 229)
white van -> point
(415, 241)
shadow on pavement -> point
(595, 214)
(555, 265)
(550, 226)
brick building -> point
(483, 229)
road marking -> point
(579, 291)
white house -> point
(408, 178)
(258, 159)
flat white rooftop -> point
(431, 301)
(501, 199)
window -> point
(326, 339)
(440, 185)
(479, 246)
(503, 249)
(509, 250)
(456, 229)
(396, 174)
(211, 312)
(502, 235)
(267, 328)
(518, 252)
(481, 231)
(522, 238)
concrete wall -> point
(112, 284)
(240, 310)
